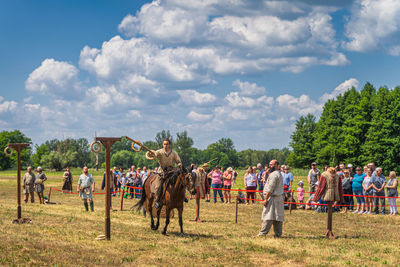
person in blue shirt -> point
(358, 190)
(378, 190)
(260, 179)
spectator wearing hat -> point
(300, 193)
(313, 177)
(287, 182)
(206, 168)
(351, 170)
(227, 184)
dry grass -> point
(64, 234)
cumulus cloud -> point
(374, 25)
(247, 88)
(340, 89)
(55, 78)
(193, 115)
(194, 97)
(8, 106)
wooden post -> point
(49, 194)
(18, 147)
(236, 208)
(122, 198)
(329, 233)
(107, 143)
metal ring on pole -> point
(139, 144)
(6, 151)
(95, 147)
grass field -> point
(64, 234)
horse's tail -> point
(142, 199)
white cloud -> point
(340, 89)
(56, 78)
(301, 105)
(194, 97)
(193, 115)
(247, 88)
(8, 106)
(374, 25)
(134, 114)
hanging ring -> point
(95, 147)
(8, 149)
(137, 143)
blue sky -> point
(240, 69)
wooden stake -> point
(18, 147)
(107, 143)
(236, 211)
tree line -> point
(355, 127)
(57, 154)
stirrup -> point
(157, 205)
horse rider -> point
(166, 158)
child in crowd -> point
(241, 198)
(300, 193)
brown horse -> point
(179, 179)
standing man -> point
(67, 180)
(85, 188)
(273, 211)
(29, 185)
(166, 158)
(378, 190)
(260, 180)
(39, 184)
(200, 189)
(287, 182)
(313, 177)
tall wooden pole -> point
(18, 147)
(107, 143)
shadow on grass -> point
(196, 236)
(319, 237)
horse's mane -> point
(172, 174)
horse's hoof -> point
(153, 227)
(164, 233)
(182, 235)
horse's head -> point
(189, 180)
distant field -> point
(64, 234)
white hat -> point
(301, 182)
(349, 165)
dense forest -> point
(356, 127)
(57, 154)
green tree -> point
(15, 136)
(123, 158)
(302, 140)
(183, 145)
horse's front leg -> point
(167, 212)
(180, 211)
